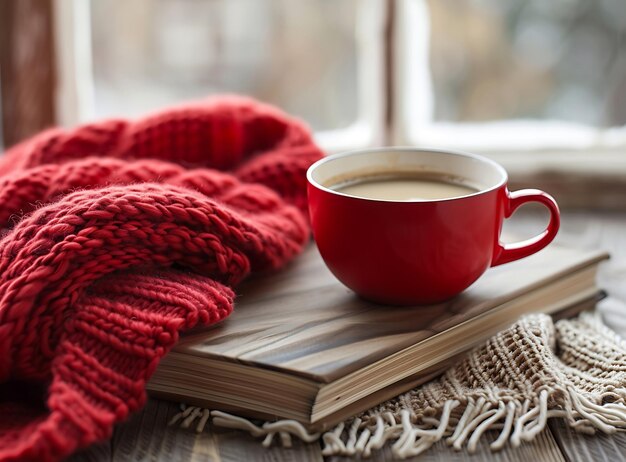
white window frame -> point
(75, 92)
(524, 146)
(75, 95)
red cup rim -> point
(498, 167)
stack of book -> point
(299, 345)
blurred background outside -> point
(468, 74)
(490, 59)
(299, 55)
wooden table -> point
(146, 436)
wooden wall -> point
(27, 71)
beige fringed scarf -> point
(574, 369)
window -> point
(540, 86)
(503, 76)
(317, 59)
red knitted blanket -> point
(118, 235)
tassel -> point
(519, 421)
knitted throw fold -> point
(119, 234)
(514, 383)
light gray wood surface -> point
(543, 449)
(582, 448)
(146, 438)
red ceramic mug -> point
(417, 251)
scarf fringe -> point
(409, 435)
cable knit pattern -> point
(119, 234)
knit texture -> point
(119, 234)
(574, 369)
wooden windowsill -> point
(577, 179)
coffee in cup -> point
(405, 186)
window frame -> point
(27, 69)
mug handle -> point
(506, 253)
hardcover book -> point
(301, 346)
